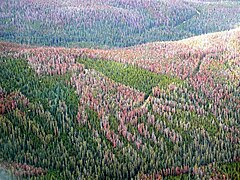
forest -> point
(119, 89)
(112, 23)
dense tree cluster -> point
(213, 53)
(150, 111)
(111, 23)
(11, 101)
(87, 118)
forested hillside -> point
(112, 23)
(119, 89)
(163, 110)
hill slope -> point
(159, 109)
(181, 58)
(111, 23)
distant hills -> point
(181, 58)
(176, 58)
(112, 23)
(152, 110)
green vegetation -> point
(228, 170)
(46, 134)
(64, 115)
(231, 170)
(114, 23)
(16, 75)
(129, 75)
